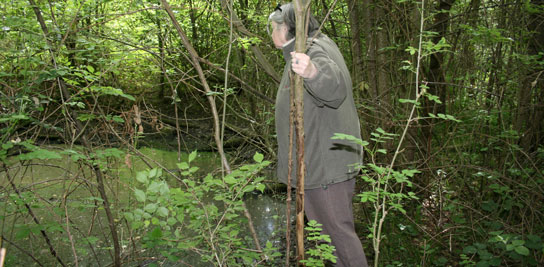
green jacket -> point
(328, 108)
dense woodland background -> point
(90, 82)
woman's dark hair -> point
(285, 14)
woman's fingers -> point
(302, 65)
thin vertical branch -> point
(302, 8)
(290, 169)
(378, 225)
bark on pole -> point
(302, 8)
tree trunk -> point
(436, 75)
(356, 48)
(371, 47)
(383, 88)
(531, 94)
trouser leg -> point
(332, 207)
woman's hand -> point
(302, 65)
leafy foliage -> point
(203, 218)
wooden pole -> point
(302, 8)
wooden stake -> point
(301, 8)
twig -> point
(22, 250)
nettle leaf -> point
(142, 177)
(153, 172)
(140, 195)
(162, 211)
(151, 207)
(258, 157)
(154, 187)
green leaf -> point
(90, 68)
(15, 117)
(229, 179)
(22, 233)
(154, 187)
(142, 177)
(140, 195)
(258, 157)
(155, 234)
(183, 165)
(151, 207)
(411, 101)
(153, 172)
(192, 156)
(521, 250)
(162, 211)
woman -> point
(328, 108)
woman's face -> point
(279, 33)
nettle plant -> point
(204, 218)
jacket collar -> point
(287, 48)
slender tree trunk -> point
(162, 78)
(370, 22)
(435, 75)
(530, 96)
(356, 47)
(334, 32)
(383, 88)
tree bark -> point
(356, 48)
(368, 8)
(436, 75)
(302, 9)
(530, 109)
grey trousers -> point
(332, 207)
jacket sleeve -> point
(329, 85)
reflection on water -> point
(269, 218)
